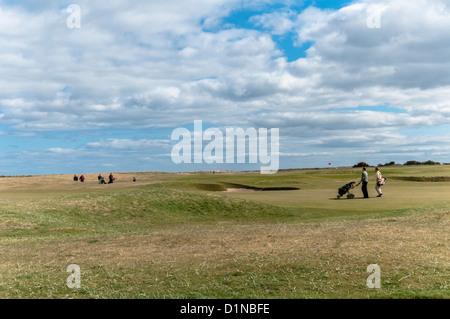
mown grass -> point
(166, 237)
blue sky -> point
(107, 96)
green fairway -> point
(226, 235)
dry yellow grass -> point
(222, 258)
(401, 246)
(405, 239)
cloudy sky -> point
(344, 81)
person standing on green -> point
(379, 182)
(364, 181)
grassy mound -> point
(126, 211)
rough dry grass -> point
(319, 260)
(406, 239)
(137, 251)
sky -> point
(343, 81)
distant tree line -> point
(388, 164)
(422, 163)
(363, 164)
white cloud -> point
(61, 150)
(145, 64)
(278, 22)
(127, 144)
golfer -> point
(364, 181)
(379, 182)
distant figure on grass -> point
(82, 178)
(111, 178)
(134, 179)
(75, 178)
(364, 181)
(102, 181)
(100, 177)
(380, 182)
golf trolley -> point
(346, 190)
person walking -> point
(364, 181)
(379, 182)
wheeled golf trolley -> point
(346, 190)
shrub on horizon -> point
(361, 164)
(387, 164)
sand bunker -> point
(238, 190)
(234, 188)
(265, 189)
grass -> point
(182, 236)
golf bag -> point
(346, 190)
